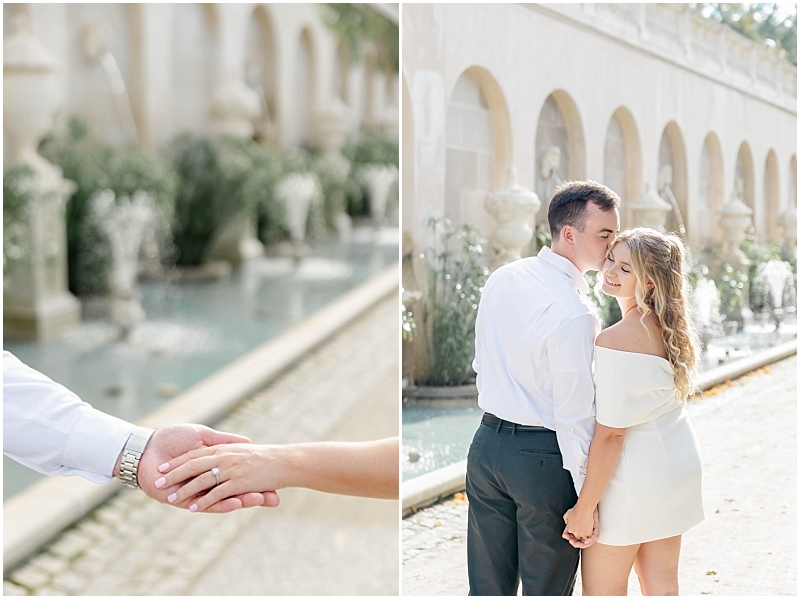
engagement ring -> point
(215, 472)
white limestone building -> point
(621, 90)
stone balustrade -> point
(679, 35)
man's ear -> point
(567, 233)
(650, 285)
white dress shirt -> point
(48, 428)
(534, 347)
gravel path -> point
(747, 544)
(313, 544)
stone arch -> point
(710, 191)
(478, 146)
(261, 70)
(745, 171)
(672, 153)
(772, 197)
(559, 125)
(622, 160)
(305, 79)
(369, 113)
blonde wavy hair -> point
(661, 258)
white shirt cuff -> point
(95, 444)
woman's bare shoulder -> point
(631, 335)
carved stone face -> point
(551, 161)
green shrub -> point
(371, 148)
(457, 279)
(95, 166)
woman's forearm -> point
(603, 457)
(368, 469)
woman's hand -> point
(581, 526)
(243, 468)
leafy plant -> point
(18, 193)
(731, 284)
(359, 25)
(457, 279)
(371, 148)
(606, 307)
(95, 166)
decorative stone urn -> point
(735, 219)
(650, 210)
(235, 109)
(787, 221)
(513, 208)
(329, 131)
(36, 302)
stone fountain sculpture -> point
(664, 190)
(235, 108)
(735, 219)
(298, 192)
(650, 210)
(514, 209)
(330, 129)
(551, 162)
(36, 302)
(378, 179)
(97, 37)
(123, 220)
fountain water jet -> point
(774, 276)
(378, 179)
(297, 192)
(123, 220)
(707, 316)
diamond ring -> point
(215, 472)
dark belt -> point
(500, 424)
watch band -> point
(131, 454)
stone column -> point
(650, 210)
(36, 302)
(513, 208)
(234, 111)
(329, 130)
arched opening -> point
(305, 76)
(743, 178)
(710, 192)
(622, 160)
(260, 72)
(369, 113)
(477, 141)
(672, 174)
(194, 67)
(772, 197)
(560, 149)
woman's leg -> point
(605, 569)
(656, 566)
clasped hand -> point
(582, 527)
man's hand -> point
(176, 439)
(575, 541)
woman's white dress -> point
(656, 489)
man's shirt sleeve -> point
(570, 356)
(49, 429)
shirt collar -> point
(567, 267)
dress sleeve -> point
(631, 389)
(49, 429)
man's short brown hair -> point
(568, 206)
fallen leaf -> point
(716, 580)
(437, 523)
(711, 573)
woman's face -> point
(618, 277)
